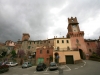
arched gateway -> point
(81, 54)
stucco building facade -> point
(44, 55)
(62, 46)
(72, 47)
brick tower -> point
(25, 37)
(77, 37)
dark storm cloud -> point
(83, 10)
(34, 17)
(25, 16)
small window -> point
(68, 48)
(30, 42)
(34, 42)
(28, 47)
(90, 50)
(67, 41)
(57, 48)
(47, 58)
(62, 41)
(88, 44)
(47, 51)
(48, 41)
(77, 40)
(40, 51)
(57, 41)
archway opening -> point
(56, 57)
(81, 54)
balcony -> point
(65, 49)
(61, 49)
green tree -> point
(13, 53)
(3, 51)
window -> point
(67, 41)
(48, 41)
(47, 58)
(57, 41)
(30, 42)
(47, 51)
(90, 50)
(62, 41)
(77, 40)
(88, 44)
(68, 48)
(28, 47)
(40, 51)
(34, 42)
(57, 48)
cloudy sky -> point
(44, 19)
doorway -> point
(81, 54)
(40, 60)
(69, 59)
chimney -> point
(63, 36)
(56, 36)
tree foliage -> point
(21, 53)
(3, 51)
(13, 53)
(29, 53)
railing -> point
(61, 49)
(65, 49)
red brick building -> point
(44, 54)
(77, 37)
(91, 46)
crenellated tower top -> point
(73, 28)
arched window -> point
(87, 43)
(57, 48)
(68, 48)
(47, 51)
(40, 51)
(77, 40)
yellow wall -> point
(62, 46)
(76, 55)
